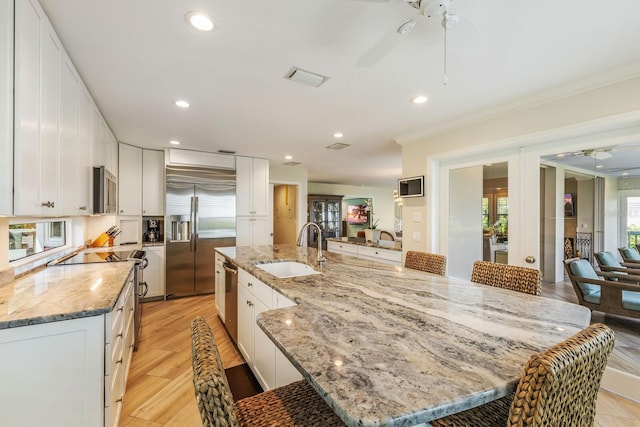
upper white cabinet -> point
(152, 182)
(6, 108)
(58, 131)
(130, 179)
(37, 82)
(252, 186)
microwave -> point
(105, 191)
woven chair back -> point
(425, 261)
(213, 395)
(559, 386)
(513, 277)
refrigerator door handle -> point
(192, 220)
(196, 220)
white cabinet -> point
(269, 365)
(108, 147)
(85, 149)
(252, 231)
(6, 108)
(252, 202)
(220, 281)
(37, 80)
(154, 273)
(386, 256)
(74, 371)
(68, 149)
(130, 179)
(152, 182)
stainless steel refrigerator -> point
(200, 216)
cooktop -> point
(92, 257)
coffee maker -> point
(153, 230)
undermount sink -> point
(286, 269)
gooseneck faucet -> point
(300, 241)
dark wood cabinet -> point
(326, 211)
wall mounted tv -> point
(411, 187)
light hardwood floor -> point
(160, 389)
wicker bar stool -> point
(513, 277)
(296, 404)
(558, 387)
(425, 261)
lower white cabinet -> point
(387, 256)
(252, 231)
(271, 368)
(220, 285)
(154, 273)
(67, 373)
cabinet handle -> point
(48, 204)
(249, 303)
(120, 308)
(83, 208)
(119, 361)
(119, 400)
(250, 284)
(119, 335)
(121, 211)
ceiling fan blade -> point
(466, 38)
(381, 49)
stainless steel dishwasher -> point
(231, 300)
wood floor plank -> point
(160, 386)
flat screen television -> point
(356, 214)
(411, 187)
(568, 205)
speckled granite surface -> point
(61, 293)
(394, 347)
(386, 244)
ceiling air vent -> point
(338, 146)
(306, 77)
(293, 164)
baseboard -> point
(622, 383)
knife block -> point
(101, 240)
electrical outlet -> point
(417, 217)
(416, 236)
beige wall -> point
(610, 103)
(383, 205)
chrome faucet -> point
(300, 241)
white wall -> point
(382, 197)
(608, 105)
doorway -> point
(285, 213)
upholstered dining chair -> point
(558, 387)
(296, 404)
(513, 277)
(426, 261)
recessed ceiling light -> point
(625, 173)
(338, 135)
(174, 142)
(288, 157)
(199, 21)
(420, 99)
(182, 103)
(599, 167)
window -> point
(31, 238)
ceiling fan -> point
(431, 10)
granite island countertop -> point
(393, 245)
(62, 292)
(385, 345)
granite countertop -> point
(384, 345)
(393, 245)
(62, 292)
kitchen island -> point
(384, 345)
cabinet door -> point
(6, 107)
(152, 182)
(245, 324)
(264, 351)
(260, 231)
(220, 286)
(260, 187)
(243, 231)
(85, 146)
(68, 194)
(243, 186)
(154, 273)
(130, 180)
